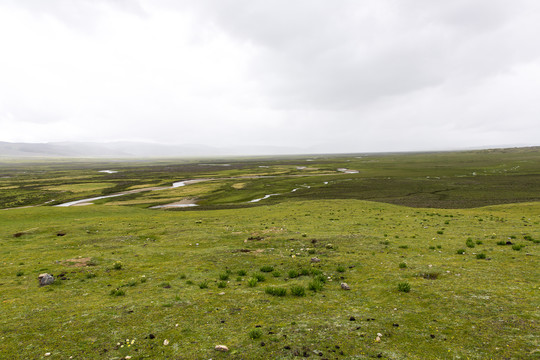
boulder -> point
(344, 286)
(221, 348)
(45, 279)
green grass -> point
(474, 308)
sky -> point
(329, 76)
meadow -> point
(439, 251)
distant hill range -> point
(133, 149)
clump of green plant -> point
(403, 246)
(404, 287)
(526, 237)
(117, 292)
(439, 246)
(166, 285)
(189, 282)
(275, 291)
(203, 284)
(432, 247)
(311, 251)
(517, 247)
(340, 269)
(117, 265)
(242, 273)
(479, 242)
(304, 272)
(143, 279)
(440, 232)
(90, 275)
(502, 242)
(384, 242)
(481, 256)
(183, 276)
(402, 265)
(255, 334)
(293, 273)
(470, 243)
(267, 268)
(315, 285)
(20, 273)
(224, 276)
(460, 251)
(252, 282)
(222, 284)
(316, 272)
(259, 277)
(131, 283)
(276, 273)
(298, 290)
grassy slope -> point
(475, 308)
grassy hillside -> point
(130, 280)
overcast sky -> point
(339, 76)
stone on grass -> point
(45, 279)
(315, 259)
(165, 342)
(221, 348)
(344, 286)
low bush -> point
(267, 268)
(275, 291)
(298, 290)
(404, 287)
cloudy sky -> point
(339, 76)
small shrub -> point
(440, 232)
(315, 272)
(298, 290)
(320, 278)
(481, 256)
(203, 284)
(222, 284)
(502, 242)
(242, 272)
(403, 246)
(275, 291)
(513, 237)
(304, 272)
(293, 274)
(255, 334)
(224, 276)
(404, 287)
(517, 247)
(183, 276)
(267, 268)
(384, 242)
(143, 280)
(166, 285)
(526, 237)
(252, 282)
(117, 265)
(311, 251)
(90, 275)
(315, 285)
(259, 277)
(470, 243)
(20, 273)
(402, 265)
(432, 248)
(189, 282)
(479, 242)
(117, 292)
(461, 251)
(439, 246)
(276, 273)
(341, 269)
(131, 283)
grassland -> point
(129, 278)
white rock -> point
(165, 342)
(221, 348)
(47, 354)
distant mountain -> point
(126, 149)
